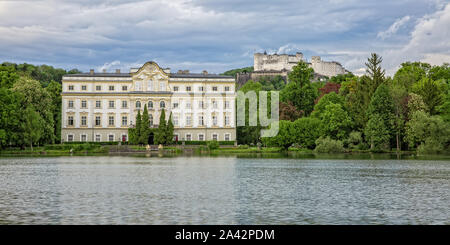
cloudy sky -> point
(222, 34)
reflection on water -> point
(223, 190)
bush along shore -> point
(324, 146)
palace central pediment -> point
(150, 77)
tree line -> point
(409, 111)
(30, 104)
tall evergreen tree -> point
(169, 130)
(145, 126)
(375, 72)
(381, 105)
(160, 137)
(138, 128)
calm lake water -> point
(222, 190)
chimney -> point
(117, 70)
(205, 72)
(180, 71)
(91, 72)
(104, 70)
(186, 71)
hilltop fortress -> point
(271, 65)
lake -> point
(222, 190)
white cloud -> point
(429, 42)
(393, 28)
(107, 66)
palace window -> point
(84, 87)
(70, 121)
(70, 137)
(70, 103)
(215, 137)
(175, 120)
(188, 105)
(98, 104)
(214, 88)
(124, 88)
(124, 121)
(97, 121)
(98, 87)
(83, 104)
(162, 86)
(150, 119)
(124, 104)
(214, 119)
(71, 87)
(111, 137)
(201, 122)
(98, 137)
(111, 104)
(188, 137)
(175, 88)
(227, 121)
(188, 120)
(150, 85)
(201, 88)
(188, 88)
(111, 88)
(83, 121)
(227, 88)
(111, 120)
(201, 137)
(214, 103)
(201, 105)
(138, 86)
(138, 104)
(150, 105)
(162, 104)
(175, 105)
(83, 138)
(227, 104)
(227, 137)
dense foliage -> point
(410, 111)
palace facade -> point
(102, 106)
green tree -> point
(410, 73)
(336, 122)
(422, 128)
(249, 134)
(377, 133)
(381, 105)
(160, 137)
(440, 72)
(302, 97)
(398, 95)
(135, 134)
(306, 131)
(301, 74)
(169, 130)
(145, 127)
(54, 90)
(330, 98)
(32, 126)
(40, 99)
(375, 72)
(284, 138)
(432, 93)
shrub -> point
(354, 140)
(212, 145)
(328, 145)
(430, 146)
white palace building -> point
(102, 106)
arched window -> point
(162, 104)
(150, 119)
(138, 104)
(150, 104)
